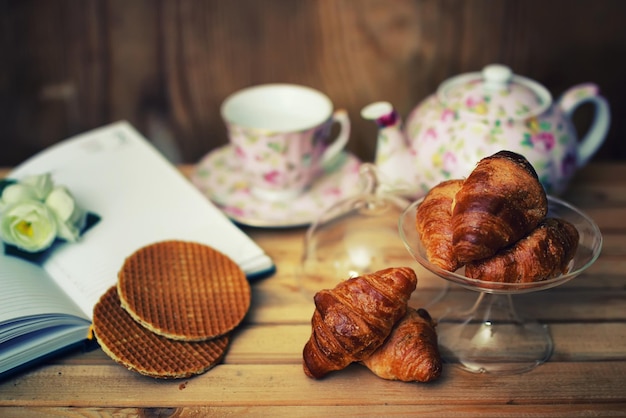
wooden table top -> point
(261, 373)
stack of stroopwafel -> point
(173, 308)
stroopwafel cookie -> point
(128, 343)
(184, 290)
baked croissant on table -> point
(410, 354)
(543, 254)
(500, 202)
(434, 224)
(352, 320)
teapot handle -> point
(569, 102)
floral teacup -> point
(281, 133)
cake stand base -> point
(492, 338)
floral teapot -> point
(474, 115)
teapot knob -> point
(497, 76)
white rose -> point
(29, 225)
(70, 217)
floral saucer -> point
(219, 177)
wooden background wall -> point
(166, 65)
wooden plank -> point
(613, 244)
(135, 90)
(589, 342)
(436, 410)
(283, 344)
(608, 218)
(606, 265)
(600, 173)
(85, 62)
(286, 385)
(275, 304)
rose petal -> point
(17, 192)
(70, 217)
(41, 184)
(61, 201)
(68, 231)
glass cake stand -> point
(492, 336)
(357, 236)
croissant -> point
(434, 224)
(500, 202)
(354, 319)
(543, 254)
(410, 353)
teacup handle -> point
(339, 116)
(595, 136)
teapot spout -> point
(391, 139)
(394, 157)
(383, 113)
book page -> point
(141, 199)
(27, 291)
(36, 316)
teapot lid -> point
(495, 93)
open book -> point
(140, 199)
